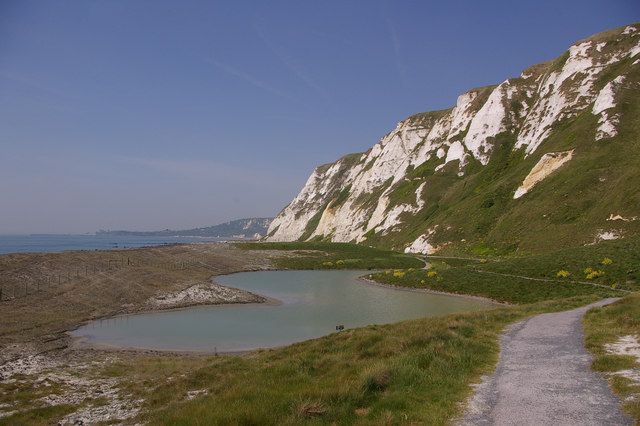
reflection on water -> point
(313, 303)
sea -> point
(52, 243)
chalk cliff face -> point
(548, 155)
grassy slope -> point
(606, 325)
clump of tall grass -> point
(376, 378)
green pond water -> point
(312, 304)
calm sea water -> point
(58, 243)
(313, 303)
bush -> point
(399, 274)
(594, 274)
(563, 274)
(340, 262)
(606, 261)
(432, 274)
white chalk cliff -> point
(397, 190)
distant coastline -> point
(249, 228)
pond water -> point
(311, 304)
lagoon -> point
(309, 304)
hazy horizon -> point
(154, 115)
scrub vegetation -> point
(606, 269)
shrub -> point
(432, 274)
(340, 262)
(606, 261)
(399, 274)
(588, 270)
(327, 263)
(594, 274)
(563, 274)
(422, 281)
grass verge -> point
(605, 326)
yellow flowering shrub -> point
(563, 274)
(594, 274)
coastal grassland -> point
(602, 269)
(325, 255)
(413, 371)
(607, 325)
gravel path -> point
(544, 377)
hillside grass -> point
(607, 325)
(325, 255)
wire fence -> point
(22, 285)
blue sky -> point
(173, 114)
